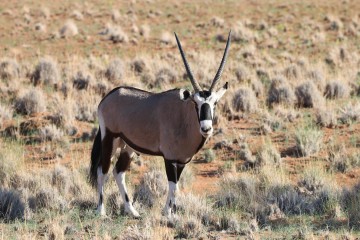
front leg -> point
(173, 172)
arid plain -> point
(284, 160)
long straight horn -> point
(195, 84)
(223, 61)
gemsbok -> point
(173, 124)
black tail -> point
(95, 160)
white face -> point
(206, 102)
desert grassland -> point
(284, 162)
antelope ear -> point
(222, 90)
(184, 94)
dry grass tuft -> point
(145, 31)
(268, 155)
(46, 72)
(69, 29)
(12, 205)
(152, 187)
(350, 113)
(167, 39)
(165, 77)
(217, 22)
(336, 89)
(32, 101)
(308, 95)
(6, 113)
(81, 80)
(245, 100)
(49, 199)
(9, 69)
(280, 92)
(350, 202)
(308, 140)
(77, 15)
(326, 118)
(117, 35)
(51, 133)
(40, 27)
(115, 71)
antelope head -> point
(205, 100)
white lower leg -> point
(101, 181)
(120, 180)
(171, 199)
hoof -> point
(101, 211)
(130, 210)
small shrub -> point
(48, 198)
(32, 101)
(242, 74)
(350, 113)
(292, 72)
(117, 35)
(209, 155)
(6, 113)
(12, 205)
(244, 100)
(69, 29)
(308, 95)
(280, 92)
(115, 71)
(350, 202)
(152, 187)
(51, 133)
(167, 38)
(326, 118)
(45, 72)
(308, 141)
(336, 89)
(317, 77)
(139, 66)
(9, 69)
(268, 155)
(145, 31)
(341, 160)
(61, 178)
(165, 76)
(245, 153)
(189, 228)
(81, 80)
(217, 22)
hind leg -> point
(119, 171)
(103, 169)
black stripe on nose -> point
(205, 112)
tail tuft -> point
(95, 160)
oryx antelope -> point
(174, 124)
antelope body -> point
(173, 124)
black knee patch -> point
(171, 171)
(101, 199)
(123, 162)
(127, 197)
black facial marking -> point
(205, 94)
(170, 203)
(126, 197)
(205, 112)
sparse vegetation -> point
(283, 161)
